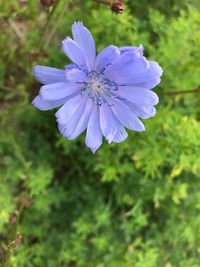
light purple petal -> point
(48, 75)
(121, 135)
(106, 57)
(128, 66)
(111, 128)
(148, 78)
(74, 52)
(65, 113)
(126, 116)
(78, 123)
(138, 95)
(42, 104)
(84, 39)
(107, 122)
(76, 75)
(94, 136)
(152, 75)
(56, 91)
(68, 129)
(149, 84)
(82, 123)
(141, 110)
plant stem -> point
(56, 25)
(16, 30)
(174, 93)
(106, 2)
(49, 17)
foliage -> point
(134, 204)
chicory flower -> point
(101, 94)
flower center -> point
(99, 88)
(96, 85)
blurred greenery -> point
(133, 204)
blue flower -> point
(101, 94)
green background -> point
(133, 204)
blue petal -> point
(126, 116)
(68, 129)
(42, 104)
(74, 52)
(65, 113)
(141, 110)
(84, 39)
(149, 84)
(56, 91)
(107, 122)
(154, 72)
(47, 75)
(83, 121)
(94, 136)
(76, 75)
(138, 95)
(121, 135)
(126, 68)
(111, 128)
(146, 79)
(106, 57)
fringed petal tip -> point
(79, 23)
(141, 49)
(84, 39)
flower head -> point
(101, 94)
